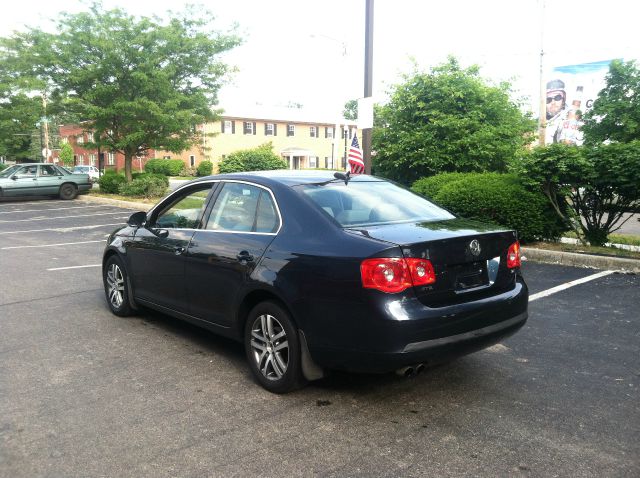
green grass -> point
(627, 239)
(120, 197)
(577, 248)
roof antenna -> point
(342, 176)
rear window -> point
(371, 203)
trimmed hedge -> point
(497, 198)
(430, 186)
(205, 168)
(145, 185)
(111, 181)
(168, 167)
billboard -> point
(571, 91)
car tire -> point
(116, 286)
(68, 191)
(273, 348)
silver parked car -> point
(41, 179)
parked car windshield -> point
(371, 203)
(9, 171)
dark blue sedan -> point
(314, 272)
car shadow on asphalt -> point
(450, 375)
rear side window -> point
(243, 208)
(371, 203)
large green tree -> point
(590, 187)
(615, 115)
(19, 114)
(447, 120)
(137, 83)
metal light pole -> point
(368, 81)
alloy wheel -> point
(115, 285)
(270, 347)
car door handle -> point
(244, 256)
(179, 250)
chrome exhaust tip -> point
(408, 371)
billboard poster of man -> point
(571, 91)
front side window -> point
(185, 211)
(372, 202)
(27, 172)
(243, 208)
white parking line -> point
(52, 209)
(74, 267)
(63, 229)
(567, 285)
(66, 217)
(50, 245)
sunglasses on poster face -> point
(554, 98)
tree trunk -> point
(128, 160)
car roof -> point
(291, 177)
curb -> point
(582, 260)
(140, 206)
(533, 255)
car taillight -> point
(513, 256)
(392, 274)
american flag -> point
(356, 164)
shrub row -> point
(142, 184)
(496, 198)
(168, 167)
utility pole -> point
(368, 81)
(542, 121)
(45, 148)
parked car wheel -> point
(273, 348)
(115, 287)
(68, 191)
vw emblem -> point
(474, 247)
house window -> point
(313, 161)
(92, 159)
(291, 130)
(269, 129)
(111, 159)
(229, 127)
(64, 140)
(326, 162)
(249, 127)
(80, 139)
(166, 157)
(345, 133)
(313, 131)
(81, 159)
(328, 132)
(192, 160)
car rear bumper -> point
(383, 343)
(426, 352)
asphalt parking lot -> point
(84, 393)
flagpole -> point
(368, 81)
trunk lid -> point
(469, 257)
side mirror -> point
(14, 177)
(137, 219)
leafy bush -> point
(161, 177)
(3, 166)
(168, 167)
(431, 185)
(145, 185)
(261, 158)
(205, 168)
(501, 199)
(189, 172)
(111, 181)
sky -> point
(312, 52)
